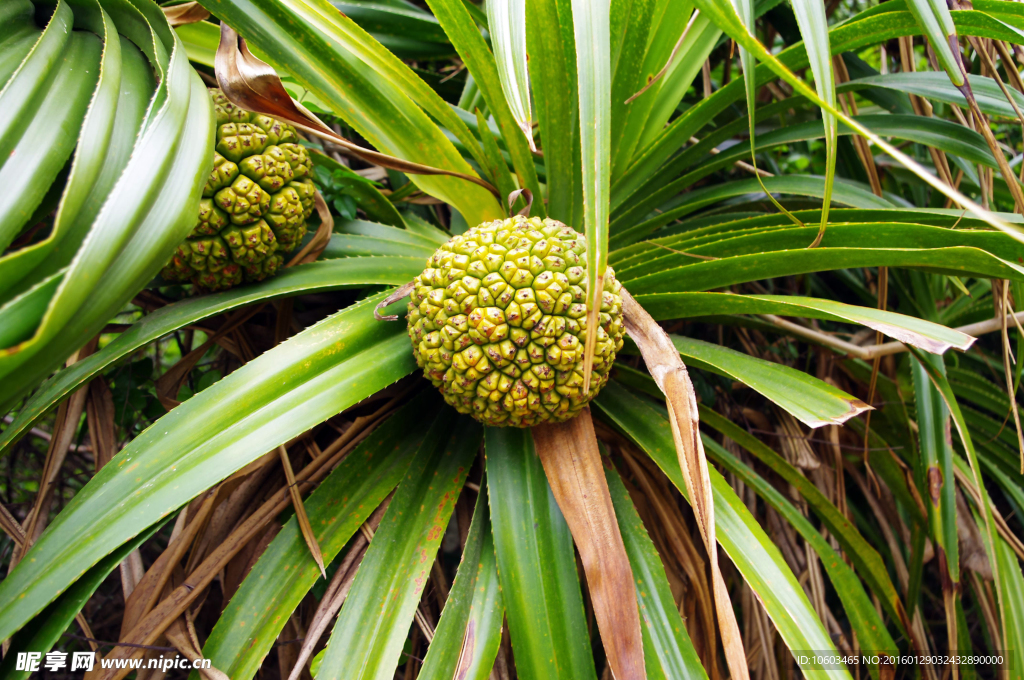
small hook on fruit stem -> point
(527, 196)
(402, 291)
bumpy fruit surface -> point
(254, 206)
(498, 322)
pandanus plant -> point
(555, 438)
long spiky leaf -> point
(506, 22)
(591, 27)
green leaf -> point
(200, 40)
(866, 28)
(355, 245)
(21, 315)
(733, 238)
(144, 216)
(755, 555)
(374, 622)
(405, 30)
(550, 42)
(936, 451)
(668, 652)
(1011, 592)
(284, 392)
(506, 23)
(864, 618)
(708, 275)
(937, 25)
(941, 384)
(704, 36)
(852, 223)
(813, 24)
(745, 13)
(536, 563)
(459, 25)
(655, 190)
(627, 228)
(18, 35)
(1002, 22)
(43, 632)
(932, 85)
(978, 389)
(866, 560)
(46, 143)
(473, 613)
(257, 612)
(383, 231)
(950, 137)
(930, 336)
(421, 227)
(500, 174)
(105, 142)
(810, 400)
(632, 23)
(33, 74)
(593, 72)
(318, 276)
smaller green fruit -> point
(254, 206)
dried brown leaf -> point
(64, 429)
(572, 463)
(239, 566)
(1004, 312)
(240, 492)
(465, 661)
(793, 443)
(283, 322)
(254, 86)
(967, 483)
(132, 572)
(169, 384)
(99, 416)
(186, 13)
(985, 128)
(146, 592)
(527, 199)
(99, 412)
(153, 624)
(300, 511)
(11, 526)
(178, 635)
(503, 660)
(669, 372)
(973, 555)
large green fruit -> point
(498, 322)
(254, 206)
